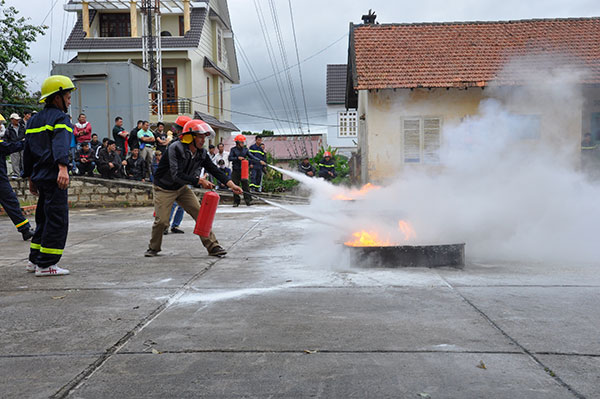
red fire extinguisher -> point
(204, 221)
(245, 169)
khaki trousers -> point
(163, 202)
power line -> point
(49, 12)
(299, 68)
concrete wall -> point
(380, 133)
(107, 90)
(96, 192)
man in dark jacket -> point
(94, 144)
(236, 156)
(306, 168)
(257, 168)
(120, 135)
(45, 160)
(327, 167)
(8, 198)
(179, 167)
(109, 162)
(135, 167)
(85, 160)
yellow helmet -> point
(54, 84)
(2, 119)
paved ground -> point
(272, 320)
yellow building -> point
(199, 64)
(410, 82)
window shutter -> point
(411, 130)
(431, 140)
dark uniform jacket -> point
(258, 153)
(179, 167)
(47, 142)
(136, 168)
(325, 167)
(105, 157)
(243, 152)
(306, 168)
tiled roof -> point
(78, 41)
(336, 83)
(215, 123)
(210, 65)
(462, 54)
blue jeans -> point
(178, 215)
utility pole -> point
(152, 54)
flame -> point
(354, 194)
(371, 239)
(367, 239)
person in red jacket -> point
(82, 131)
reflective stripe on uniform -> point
(589, 148)
(257, 151)
(48, 127)
(327, 166)
(22, 223)
(52, 251)
(35, 246)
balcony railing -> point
(175, 106)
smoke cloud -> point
(510, 185)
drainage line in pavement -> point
(515, 342)
(322, 351)
(83, 376)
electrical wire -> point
(299, 68)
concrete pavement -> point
(278, 317)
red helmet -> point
(326, 154)
(195, 126)
(182, 120)
(240, 137)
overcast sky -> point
(319, 24)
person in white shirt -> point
(221, 154)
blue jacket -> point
(47, 142)
(258, 153)
(5, 149)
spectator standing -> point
(327, 167)
(85, 160)
(306, 168)
(177, 210)
(222, 155)
(236, 156)
(135, 166)
(8, 198)
(154, 166)
(72, 152)
(133, 140)
(26, 116)
(257, 166)
(147, 141)
(15, 133)
(94, 144)
(109, 162)
(161, 137)
(120, 134)
(2, 127)
(82, 130)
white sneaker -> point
(30, 267)
(50, 271)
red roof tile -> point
(462, 54)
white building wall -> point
(345, 145)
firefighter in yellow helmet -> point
(45, 163)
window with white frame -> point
(421, 138)
(219, 45)
(347, 124)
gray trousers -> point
(16, 160)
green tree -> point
(267, 133)
(16, 36)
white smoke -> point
(510, 187)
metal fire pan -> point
(452, 255)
